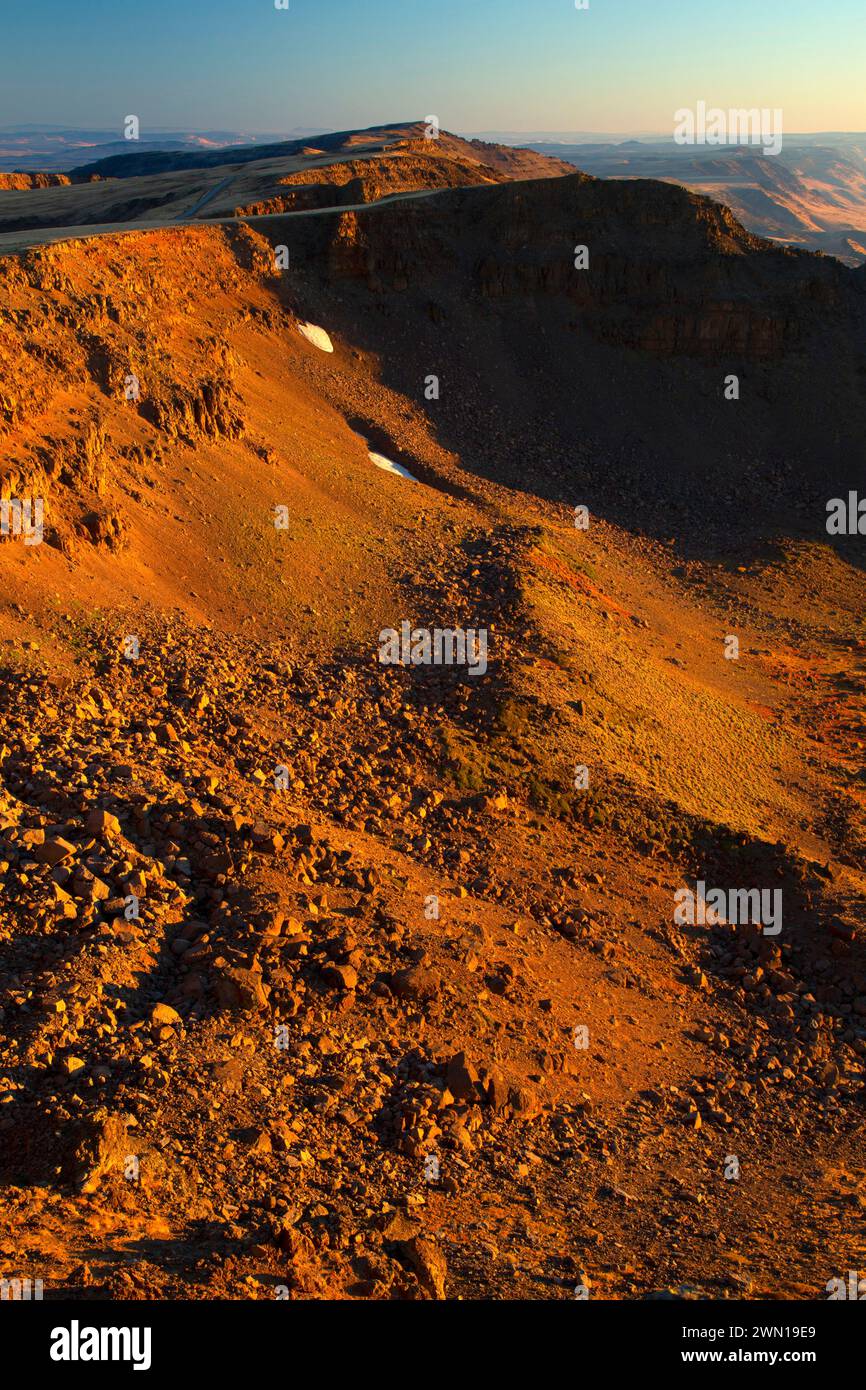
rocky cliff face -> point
(101, 327)
(604, 317)
(572, 324)
(665, 270)
(416, 166)
(20, 182)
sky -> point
(479, 65)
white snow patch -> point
(317, 336)
(390, 467)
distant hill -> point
(338, 170)
(523, 163)
(34, 148)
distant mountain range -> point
(56, 149)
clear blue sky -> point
(518, 65)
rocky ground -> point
(322, 978)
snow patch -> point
(390, 467)
(317, 336)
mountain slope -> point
(376, 910)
